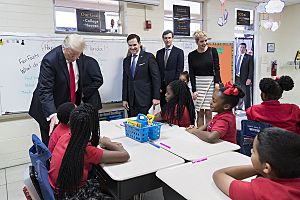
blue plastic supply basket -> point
(145, 132)
(154, 131)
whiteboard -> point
(21, 55)
(20, 63)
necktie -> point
(133, 65)
(238, 64)
(72, 84)
(167, 52)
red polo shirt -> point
(59, 131)
(92, 156)
(285, 116)
(265, 189)
(183, 122)
(225, 124)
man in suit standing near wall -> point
(92, 81)
(170, 60)
(59, 82)
(141, 79)
(244, 67)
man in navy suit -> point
(92, 81)
(244, 67)
(170, 60)
(141, 79)
(59, 82)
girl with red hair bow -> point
(223, 124)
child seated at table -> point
(185, 77)
(75, 153)
(275, 159)
(63, 115)
(271, 111)
(223, 124)
(179, 109)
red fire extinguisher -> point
(274, 68)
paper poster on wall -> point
(225, 51)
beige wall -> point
(287, 42)
(134, 18)
(34, 16)
(213, 12)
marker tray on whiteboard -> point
(144, 133)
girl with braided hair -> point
(76, 152)
(179, 109)
(271, 111)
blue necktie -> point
(238, 64)
(133, 65)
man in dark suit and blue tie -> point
(141, 79)
(59, 82)
(170, 60)
(244, 67)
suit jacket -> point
(174, 66)
(145, 85)
(92, 81)
(53, 88)
(246, 70)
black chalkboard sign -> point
(181, 20)
(243, 17)
(88, 20)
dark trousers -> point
(134, 110)
(163, 96)
(45, 134)
(248, 93)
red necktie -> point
(72, 84)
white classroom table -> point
(189, 147)
(138, 174)
(111, 130)
(193, 181)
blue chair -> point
(40, 155)
(248, 133)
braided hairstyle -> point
(273, 89)
(182, 98)
(232, 100)
(83, 123)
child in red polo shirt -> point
(275, 159)
(271, 111)
(223, 124)
(179, 109)
(63, 115)
(75, 153)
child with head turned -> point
(275, 159)
(179, 109)
(271, 111)
(223, 124)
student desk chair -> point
(194, 181)
(187, 146)
(138, 174)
